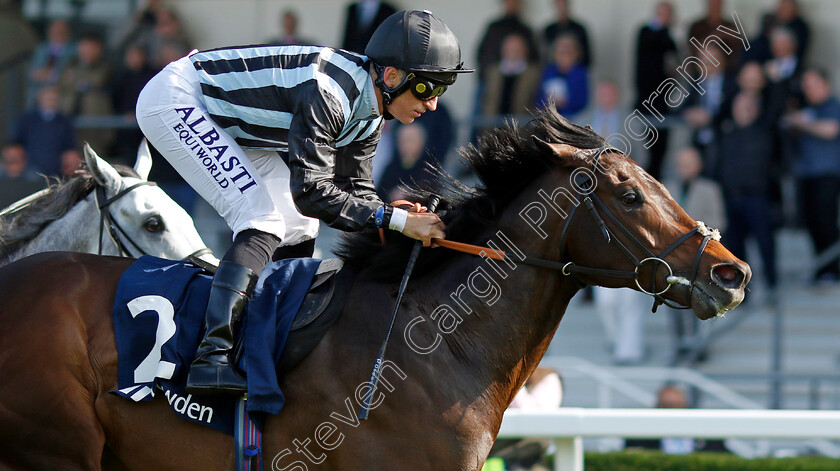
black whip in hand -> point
(364, 410)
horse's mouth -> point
(707, 304)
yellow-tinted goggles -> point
(423, 88)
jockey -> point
(276, 138)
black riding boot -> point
(213, 371)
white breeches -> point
(249, 188)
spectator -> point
(566, 25)
(817, 165)
(490, 47)
(744, 171)
(386, 149)
(141, 26)
(362, 19)
(167, 41)
(784, 70)
(707, 26)
(671, 397)
(289, 31)
(17, 179)
(702, 199)
(169, 52)
(750, 79)
(759, 50)
(543, 391)
(622, 311)
(606, 117)
(564, 82)
(83, 84)
(71, 160)
(129, 79)
(15, 164)
(50, 58)
(772, 102)
(84, 90)
(440, 132)
(45, 133)
(785, 65)
(788, 17)
(511, 84)
(408, 164)
(704, 112)
(655, 61)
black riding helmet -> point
(420, 44)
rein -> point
(593, 204)
(117, 234)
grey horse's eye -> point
(154, 224)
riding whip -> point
(377, 365)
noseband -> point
(117, 234)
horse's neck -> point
(76, 231)
(500, 342)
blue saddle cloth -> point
(159, 321)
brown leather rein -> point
(571, 269)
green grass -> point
(656, 461)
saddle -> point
(320, 308)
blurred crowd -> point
(75, 78)
(764, 128)
(760, 114)
(766, 114)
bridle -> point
(593, 204)
(587, 198)
(117, 234)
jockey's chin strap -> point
(593, 203)
(117, 234)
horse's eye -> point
(630, 198)
(153, 224)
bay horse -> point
(104, 209)
(469, 333)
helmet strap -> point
(388, 93)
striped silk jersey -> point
(316, 106)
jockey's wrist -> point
(398, 219)
(390, 217)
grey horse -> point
(105, 209)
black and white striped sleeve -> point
(312, 163)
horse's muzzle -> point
(723, 293)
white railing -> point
(621, 382)
(568, 426)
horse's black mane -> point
(18, 228)
(506, 160)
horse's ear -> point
(143, 164)
(102, 171)
(564, 151)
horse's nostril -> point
(727, 276)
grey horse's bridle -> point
(117, 234)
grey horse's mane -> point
(20, 227)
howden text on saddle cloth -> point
(158, 322)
